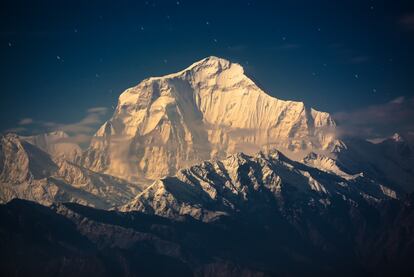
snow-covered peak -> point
(213, 63)
(59, 133)
(210, 75)
(57, 143)
(49, 137)
(211, 109)
(20, 161)
(207, 66)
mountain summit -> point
(209, 110)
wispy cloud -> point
(378, 120)
(25, 121)
(86, 125)
(347, 55)
(102, 110)
(398, 100)
(80, 139)
(79, 132)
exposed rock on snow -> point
(243, 183)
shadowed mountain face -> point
(69, 239)
(243, 183)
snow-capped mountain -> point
(390, 162)
(204, 113)
(244, 183)
(28, 172)
(57, 144)
(209, 110)
(251, 186)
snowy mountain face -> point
(57, 144)
(245, 184)
(209, 110)
(28, 172)
(390, 162)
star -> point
(9, 44)
(207, 23)
(356, 76)
(178, 3)
(374, 90)
(165, 61)
(96, 75)
(283, 38)
(142, 28)
(75, 30)
(60, 59)
(215, 40)
(319, 29)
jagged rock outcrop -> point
(246, 184)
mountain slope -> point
(57, 144)
(209, 110)
(390, 162)
(248, 184)
(27, 172)
(69, 239)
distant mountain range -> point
(28, 172)
(208, 174)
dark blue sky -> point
(60, 58)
